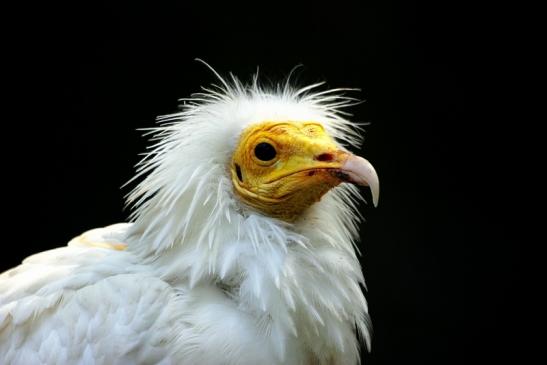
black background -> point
(436, 255)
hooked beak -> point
(357, 170)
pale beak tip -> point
(375, 197)
(363, 173)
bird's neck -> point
(299, 279)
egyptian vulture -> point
(240, 247)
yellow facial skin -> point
(304, 168)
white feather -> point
(204, 279)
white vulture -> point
(240, 247)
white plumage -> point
(198, 277)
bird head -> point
(282, 168)
(247, 160)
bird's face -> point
(281, 168)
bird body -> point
(221, 264)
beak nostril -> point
(325, 157)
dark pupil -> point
(264, 151)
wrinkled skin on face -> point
(281, 168)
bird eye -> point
(265, 151)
